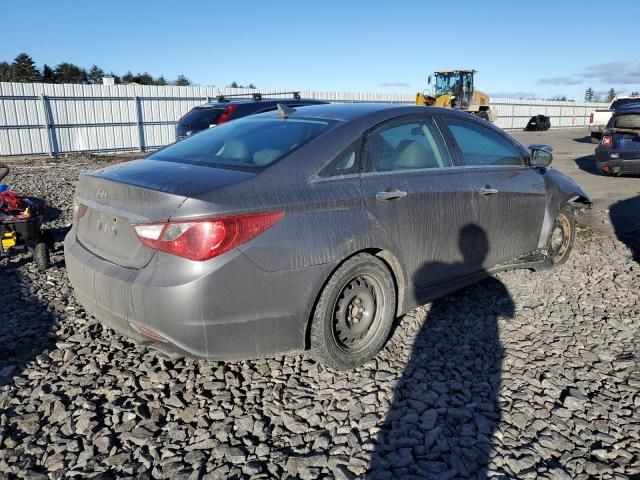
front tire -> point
(563, 236)
(354, 314)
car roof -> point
(351, 111)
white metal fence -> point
(38, 118)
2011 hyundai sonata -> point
(311, 228)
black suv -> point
(230, 107)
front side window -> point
(481, 146)
(415, 144)
(249, 144)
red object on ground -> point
(11, 202)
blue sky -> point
(536, 48)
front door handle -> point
(488, 190)
(390, 195)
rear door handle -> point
(390, 195)
(488, 190)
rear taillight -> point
(204, 239)
(591, 118)
(606, 141)
(226, 114)
(78, 210)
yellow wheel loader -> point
(454, 89)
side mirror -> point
(541, 155)
(429, 80)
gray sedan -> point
(311, 228)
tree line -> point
(591, 96)
(23, 69)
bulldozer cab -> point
(456, 83)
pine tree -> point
(48, 75)
(588, 95)
(611, 95)
(5, 72)
(95, 74)
(24, 69)
(70, 73)
(182, 81)
(143, 79)
(160, 81)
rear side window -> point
(346, 163)
(628, 121)
(200, 118)
(249, 143)
(481, 146)
(407, 145)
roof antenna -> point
(285, 111)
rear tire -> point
(563, 236)
(41, 256)
(354, 314)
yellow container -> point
(9, 240)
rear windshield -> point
(623, 101)
(248, 144)
(200, 118)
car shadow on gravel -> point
(446, 404)
(625, 218)
(26, 321)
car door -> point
(511, 195)
(419, 198)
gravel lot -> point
(525, 375)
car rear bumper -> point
(605, 163)
(226, 308)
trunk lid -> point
(627, 145)
(143, 191)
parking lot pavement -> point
(534, 374)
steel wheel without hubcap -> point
(355, 313)
(562, 237)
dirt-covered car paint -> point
(258, 298)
